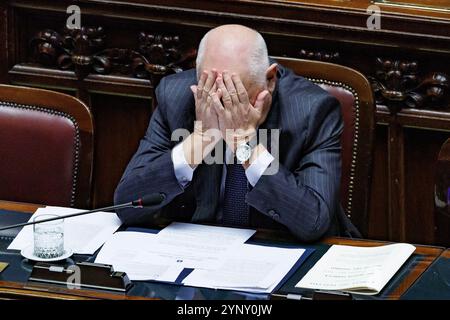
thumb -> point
(261, 99)
(194, 89)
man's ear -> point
(271, 76)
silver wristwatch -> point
(243, 152)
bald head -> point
(237, 49)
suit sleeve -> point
(304, 199)
(151, 169)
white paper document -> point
(198, 246)
(180, 245)
(362, 270)
(218, 255)
(83, 234)
(129, 252)
(219, 237)
(250, 268)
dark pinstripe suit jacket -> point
(301, 197)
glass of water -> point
(48, 237)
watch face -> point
(243, 152)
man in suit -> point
(290, 183)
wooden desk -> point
(434, 284)
(18, 206)
(23, 290)
(446, 254)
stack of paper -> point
(249, 268)
(131, 252)
(178, 246)
(356, 269)
(83, 234)
(198, 246)
(219, 256)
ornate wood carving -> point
(83, 50)
(397, 84)
(164, 55)
(73, 49)
(319, 55)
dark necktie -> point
(235, 209)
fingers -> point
(226, 87)
(201, 83)
(194, 90)
(215, 96)
(212, 74)
(229, 85)
(226, 98)
(209, 98)
(261, 99)
(220, 94)
(205, 83)
(241, 91)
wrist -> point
(256, 152)
(237, 137)
(200, 133)
(198, 145)
(202, 137)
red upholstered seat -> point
(45, 142)
(347, 100)
(354, 93)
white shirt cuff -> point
(257, 168)
(183, 171)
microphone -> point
(149, 200)
(146, 201)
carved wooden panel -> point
(319, 55)
(398, 84)
(84, 51)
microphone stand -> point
(146, 201)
